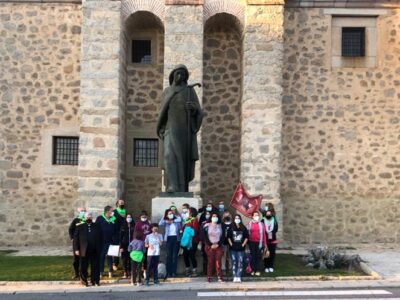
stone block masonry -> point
(102, 105)
(39, 90)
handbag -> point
(265, 253)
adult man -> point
(110, 236)
(120, 215)
(80, 218)
(87, 246)
(179, 120)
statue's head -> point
(179, 74)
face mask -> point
(266, 208)
(221, 207)
(82, 214)
(227, 223)
(256, 218)
(122, 206)
(214, 219)
(170, 216)
(143, 219)
(184, 210)
(112, 213)
(208, 208)
(237, 221)
(208, 217)
(268, 217)
(89, 221)
(129, 220)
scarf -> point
(121, 211)
(111, 220)
(269, 224)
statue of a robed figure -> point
(178, 123)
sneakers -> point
(156, 282)
(147, 283)
(235, 279)
(110, 275)
(220, 279)
(258, 273)
(115, 267)
(187, 272)
(266, 270)
(238, 279)
(271, 270)
(252, 273)
(194, 273)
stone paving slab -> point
(198, 284)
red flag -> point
(245, 203)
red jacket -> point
(195, 225)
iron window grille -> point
(141, 51)
(145, 152)
(65, 150)
(353, 41)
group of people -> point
(222, 238)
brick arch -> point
(232, 7)
(156, 7)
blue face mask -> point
(221, 207)
(208, 208)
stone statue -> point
(178, 123)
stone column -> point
(261, 101)
(184, 45)
(101, 105)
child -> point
(136, 249)
(153, 243)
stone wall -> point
(39, 91)
(341, 171)
(144, 88)
(222, 79)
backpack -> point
(187, 236)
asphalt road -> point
(331, 294)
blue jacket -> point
(109, 229)
(178, 224)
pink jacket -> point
(254, 232)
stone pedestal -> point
(160, 204)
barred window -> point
(141, 51)
(353, 41)
(65, 150)
(145, 152)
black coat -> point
(81, 238)
(72, 227)
(126, 234)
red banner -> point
(245, 203)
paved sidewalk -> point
(383, 259)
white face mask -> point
(214, 219)
(256, 218)
(184, 210)
(129, 220)
(143, 219)
(170, 216)
(112, 213)
(208, 208)
(237, 221)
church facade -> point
(300, 100)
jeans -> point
(136, 272)
(103, 255)
(152, 267)
(189, 256)
(214, 260)
(255, 252)
(172, 246)
(237, 262)
(269, 262)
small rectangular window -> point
(65, 150)
(141, 51)
(145, 152)
(353, 41)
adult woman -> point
(190, 237)
(172, 223)
(125, 237)
(214, 238)
(203, 251)
(238, 237)
(257, 242)
(271, 227)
